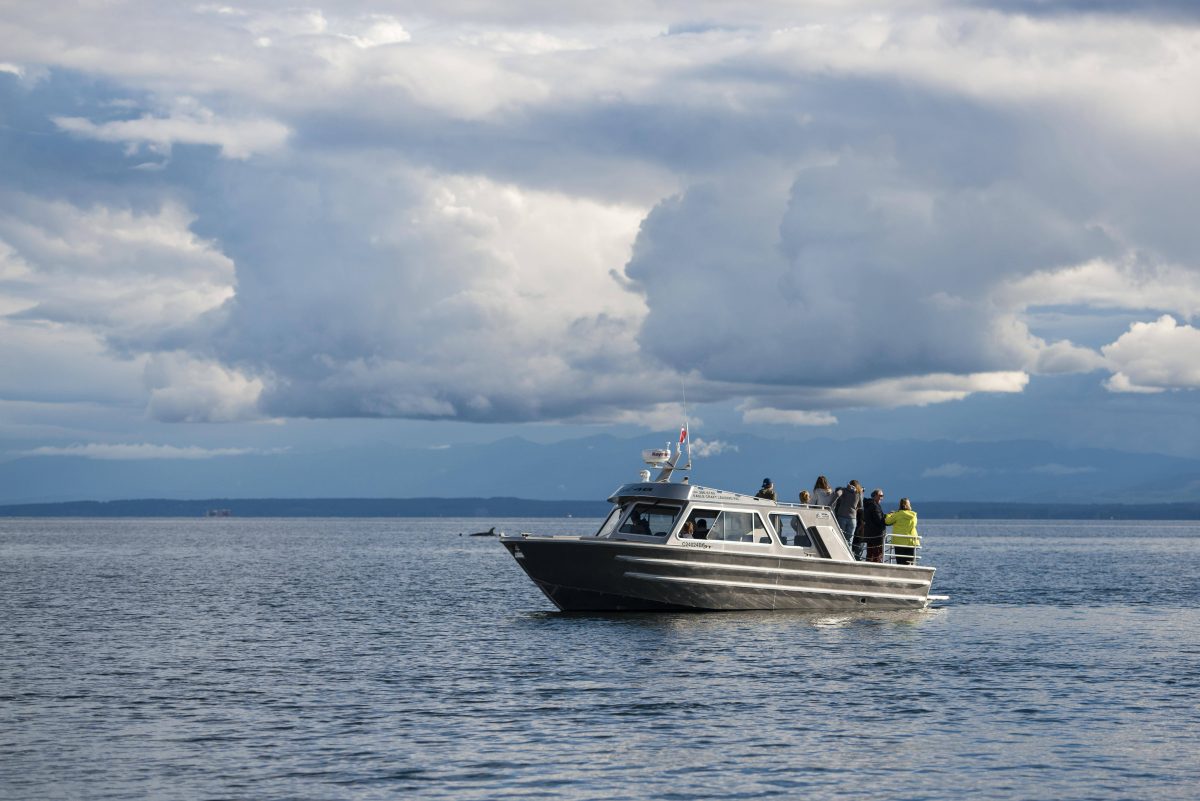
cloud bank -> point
(558, 214)
(143, 450)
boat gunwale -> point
(677, 546)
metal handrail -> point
(889, 548)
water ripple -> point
(285, 659)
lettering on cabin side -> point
(712, 495)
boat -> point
(671, 545)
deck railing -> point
(889, 549)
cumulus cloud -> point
(659, 416)
(1154, 357)
(433, 296)
(525, 213)
(1064, 356)
(12, 268)
(237, 139)
(704, 448)
(951, 470)
(1100, 284)
(120, 272)
(54, 363)
(791, 417)
(923, 390)
(185, 389)
(380, 30)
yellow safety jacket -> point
(904, 528)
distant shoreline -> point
(525, 507)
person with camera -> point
(846, 503)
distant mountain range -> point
(590, 468)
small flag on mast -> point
(683, 433)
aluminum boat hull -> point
(588, 574)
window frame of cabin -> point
(772, 519)
(755, 539)
(693, 514)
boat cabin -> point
(690, 516)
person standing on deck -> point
(905, 539)
(767, 491)
(822, 494)
(874, 526)
(847, 501)
(860, 530)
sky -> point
(270, 228)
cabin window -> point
(791, 530)
(650, 519)
(740, 527)
(702, 521)
(610, 523)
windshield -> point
(651, 519)
(610, 522)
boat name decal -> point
(703, 545)
(712, 495)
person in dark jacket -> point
(874, 526)
(767, 491)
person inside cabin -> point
(701, 531)
(639, 524)
(766, 491)
(905, 539)
(874, 527)
(798, 535)
(688, 531)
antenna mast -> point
(687, 430)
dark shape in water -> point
(491, 532)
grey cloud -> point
(824, 228)
(852, 276)
(353, 300)
(1184, 10)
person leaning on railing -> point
(905, 539)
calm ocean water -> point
(293, 659)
